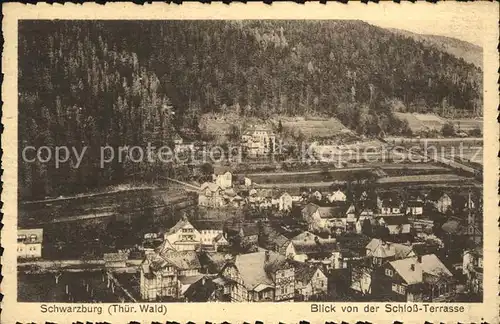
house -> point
(472, 268)
(325, 218)
(249, 234)
(415, 279)
(310, 280)
(158, 279)
(211, 195)
(29, 243)
(259, 140)
(307, 247)
(115, 260)
(365, 214)
(415, 207)
(389, 206)
(317, 195)
(396, 224)
(381, 251)
(224, 180)
(163, 275)
(260, 276)
(285, 202)
(187, 281)
(442, 204)
(181, 237)
(271, 239)
(211, 235)
(203, 290)
(337, 196)
(247, 182)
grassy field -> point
(433, 178)
(313, 127)
(419, 122)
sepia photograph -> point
(249, 161)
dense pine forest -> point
(96, 83)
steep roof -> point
(304, 236)
(380, 249)
(321, 246)
(201, 290)
(180, 224)
(304, 272)
(213, 187)
(396, 220)
(309, 209)
(250, 229)
(273, 240)
(430, 265)
(332, 212)
(183, 260)
(252, 266)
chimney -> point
(419, 258)
(412, 267)
(267, 255)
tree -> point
(367, 228)
(476, 132)
(448, 130)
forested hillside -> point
(469, 52)
(129, 83)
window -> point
(388, 272)
(395, 287)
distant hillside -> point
(128, 83)
(469, 52)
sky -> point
(464, 21)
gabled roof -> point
(183, 260)
(332, 212)
(273, 240)
(213, 187)
(201, 290)
(309, 209)
(415, 203)
(396, 220)
(304, 236)
(250, 229)
(321, 246)
(304, 272)
(382, 249)
(252, 268)
(180, 224)
(429, 265)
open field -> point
(313, 127)
(418, 122)
(448, 178)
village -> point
(371, 237)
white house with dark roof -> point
(29, 243)
(337, 195)
(224, 180)
(164, 274)
(309, 280)
(211, 195)
(181, 237)
(416, 279)
(260, 276)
